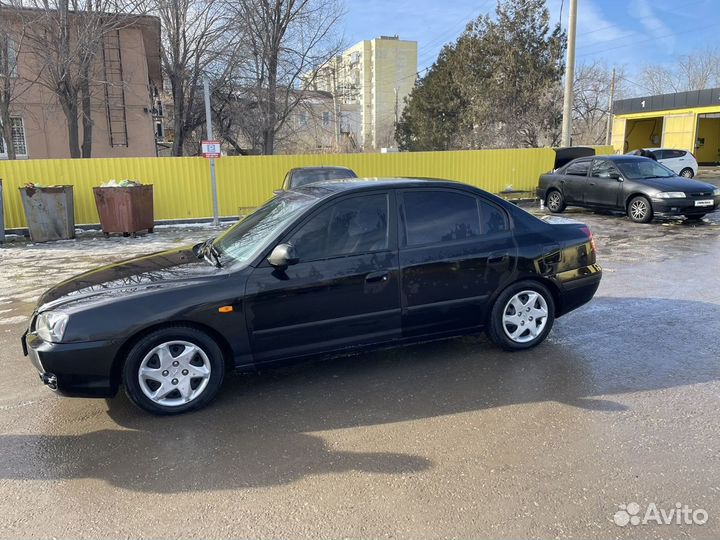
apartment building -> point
(125, 108)
(370, 81)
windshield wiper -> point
(214, 253)
(209, 252)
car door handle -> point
(374, 277)
(592, 183)
(495, 258)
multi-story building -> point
(125, 78)
(369, 82)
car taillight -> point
(590, 236)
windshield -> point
(245, 239)
(638, 169)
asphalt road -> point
(439, 440)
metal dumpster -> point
(49, 212)
(2, 217)
(125, 210)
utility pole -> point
(213, 181)
(336, 105)
(569, 76)
(608, 131)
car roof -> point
(325, 188)
(621, 157)
(320, 168)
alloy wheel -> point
(554, 201)
(638, 209)
(525, 316)
(174, 373)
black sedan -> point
(635, 185)
(321, 269)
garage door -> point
(679, 132)
(618, 135)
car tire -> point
(694, 216)
(159, 368)
(555, 201)
(687, 172)
(640, 210)
(516, 309)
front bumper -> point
(74, 369)
(677, 207)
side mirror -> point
(616, 176)
(283, 255)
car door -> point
(676, 160)
(604, 188)
(344, 291)
(574, 181)
(456, 250)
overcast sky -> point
(629, 32)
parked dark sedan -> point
(321, 269)
(638, 186)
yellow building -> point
(370, 81)
(684, 121)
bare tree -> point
(9, 43)
(63, 40)
(191, 30)
(283, 40)
(695, 71)
(591, 105)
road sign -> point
(211, 149)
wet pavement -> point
(446, 439)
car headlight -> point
(716, 192)
(671, 195)
(50, 326)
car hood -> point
(166, 269)
(675, 183)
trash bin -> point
(125, 210)
(49, 212)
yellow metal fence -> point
(182, 185)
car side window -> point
(492, 219)
(579, 168)
(436, 217)
(602, 168)
(350, 226)
(674, 154)
(661, 154)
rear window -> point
(579, 168)
(304, 177)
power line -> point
(693, 30)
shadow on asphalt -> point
(262, 430)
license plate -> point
(707, 202)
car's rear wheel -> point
(173, 370)
(555, 201)
(639, 210)
(522, 316)
(687, 172)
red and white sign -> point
(211, 149)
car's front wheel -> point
(639, 210)
(522, 316)
(555, 201)
(173, 370)
(687, 172)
